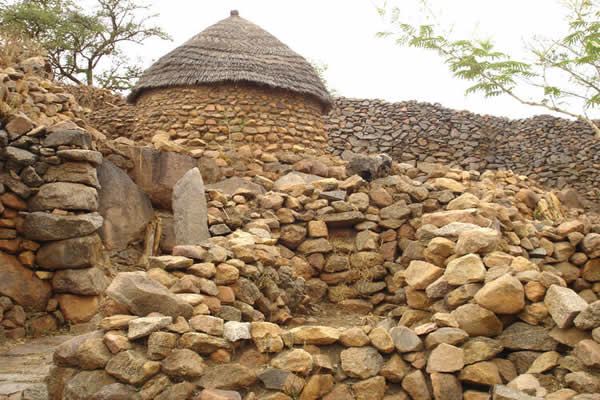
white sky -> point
(341, 34)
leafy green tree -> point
(80, 42)
(575, 57)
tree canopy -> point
(81, 42)
(564, 68)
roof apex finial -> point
(235, 13)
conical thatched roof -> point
(234, 50)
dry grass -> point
(15, 48)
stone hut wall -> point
(227, 116)
(554, 151)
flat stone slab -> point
(344, 219)
(522, 336)
(46, 226)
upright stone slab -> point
(189, 209)
(126, 209)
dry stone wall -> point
(226, 116)
(103, 109)
(554, 151)
(49, 197)
(49, 246)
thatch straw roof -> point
(234, 50)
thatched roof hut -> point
(234, 50)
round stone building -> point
(230, 85)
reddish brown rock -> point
(21, 284)
(78, 309)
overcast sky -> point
(341, 34)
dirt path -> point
(23, 367)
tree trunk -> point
(89, 76)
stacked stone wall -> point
(225, 117)
(554, 151)
(48, 202)
(49, 248)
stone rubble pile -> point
(28, 89)
(465, 294)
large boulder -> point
(564, 305)
(228, 376)
(504, 295)
(361, 362)
(21, 284)
(142, 296)
(189, 209)
(86, 384)
(126, 209)
(156, 173)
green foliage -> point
(577, 56)
(79, 41)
